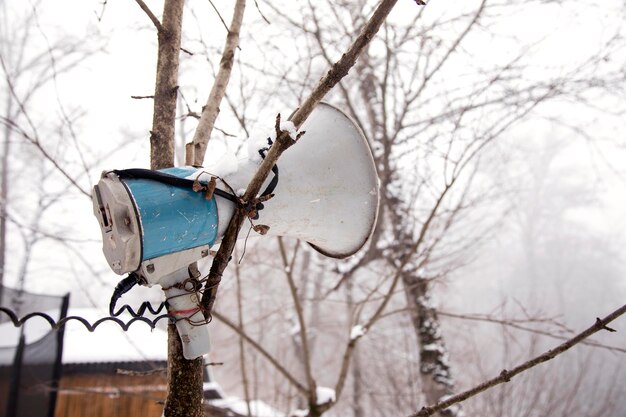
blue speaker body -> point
(172, 219)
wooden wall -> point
(111, 395)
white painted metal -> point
(183, 305)
(328, 189)
(120, 226)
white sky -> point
(102, 86)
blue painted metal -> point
(172, 218)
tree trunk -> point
(357, 388)
(435, 372)
(184, 380)
(184, 377)
(166, 88)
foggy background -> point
(523, 100)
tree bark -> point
(184, 377)
(166, 89)
(357, 386)
(436, 378)
(212, 107)
(184, 380)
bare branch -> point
(212, 107)
(506, 376)
(151, 15)
(349, 351)
(220, 16)
(242, 351)
(284, 372)
(288, 268)
(35, 142)
(518, 326)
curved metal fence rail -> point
(137, 316)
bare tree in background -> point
(433, 140)
(399, 98)
(32, 144)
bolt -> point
(117, 265)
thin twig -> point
(100, 15)
(262, 351)
(517, 326)
(35, 142)
(151, 15)
(140, 373)
(256, 4)
(506, 375)
(242, 351)
(220, 16)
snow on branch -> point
(357, 332)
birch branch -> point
(212, 107)
(506, 375)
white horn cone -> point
(328, 190)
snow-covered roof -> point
(109, 342)
(257, 408)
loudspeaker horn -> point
(327, 193)
(154, 224)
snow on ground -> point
(109, 343)
(257, 408)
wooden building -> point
(112, 373)
(105, 373)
